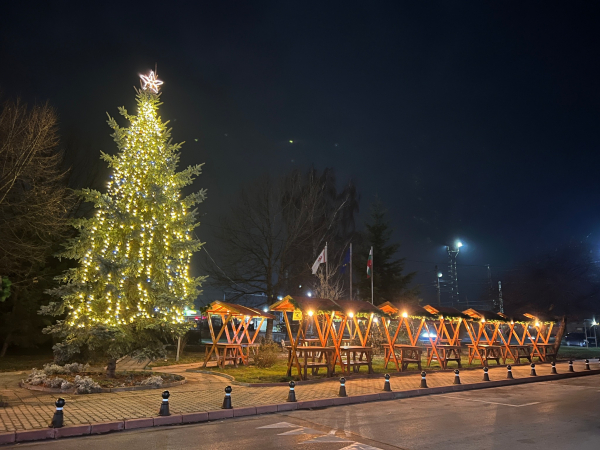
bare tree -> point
(272, 234)
(34, 199)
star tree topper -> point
(151, 82)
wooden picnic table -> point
(518, 352)
(310, 342)
(543, 352)
(227, 352)
(403, 355)
(314, 357)
(446, 352)
(356, 356)
(486, 352)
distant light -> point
(404, 314)
(351, 315)
(459, 244)
(439, 274)
(291, 142)
(265, 309)
(309, 294)
(280, 297)
(310, 313)
(375, 319)
(299, 286)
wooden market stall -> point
(240, 343)
(331, 319)
(487, 341)
(446, 344)
(541, 346)
(412, 319)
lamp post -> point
(438, 275)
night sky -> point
(470, 120)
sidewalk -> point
(30, 410)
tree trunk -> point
(559, 334)
(269, 331)
(111, 367)
(5, 344)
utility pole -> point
(500, 301)
(491, 298)
(437, 282)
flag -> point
(345, 262)
(370, 264)
(320, 260)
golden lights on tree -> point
(135, 251)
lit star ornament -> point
(151, 82)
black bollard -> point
(57, 419)
(532, 373)
(227, 399)
(292, 393)
(486, 377)
(423, 379)
(553, 370)
(509, 372)
(587, 364)
(342, 392)
(456, 377)
(164, 406)
(571, 366)
(386, 385)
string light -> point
(150, 82)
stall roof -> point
(393, 308)
(539, 317)
(445, 311)
(219, 307)
(305, 304)
(487, 315)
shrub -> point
(77, 368)
(85, 385)
(66, 386)
(266, 355)
(54, 382)
(54, 369)
(154, 380)
(36, 377)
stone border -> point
(103, 391)
(189, 418)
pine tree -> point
(389, 283)
(132, 282)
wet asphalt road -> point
(562, 414)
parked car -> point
(576, 339)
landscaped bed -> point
(79, 379)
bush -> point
(54, 383)
(66, 386)
(55, 369)
(36, 377)
(267, 355)
(154, 380)
(85, 385)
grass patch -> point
(578, 352)
(186, 357)
(26, 360)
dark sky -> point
(471, 120)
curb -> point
(177, 419)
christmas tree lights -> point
(134, 252)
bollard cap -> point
(292, 384)
(228, 390)
(166, 395)
(485, 369)
(423, 374)
(532, 365)
(571, 362)
(342, 380)
(587, 361)
(509, 367)
(456, 371)
(553, 364)
(60, 402)
(387, 376)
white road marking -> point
(491, 403)
(280, 425)
(300, 430)
(326, 438)
(359, 446)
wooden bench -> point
(351, 353)
(446, 353)
(228, 352)
(405, 355)
(518, 352)
(544, 352)
(485, 353)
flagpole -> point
(350, 271)
(372, 274)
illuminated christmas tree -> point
(132, 282)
